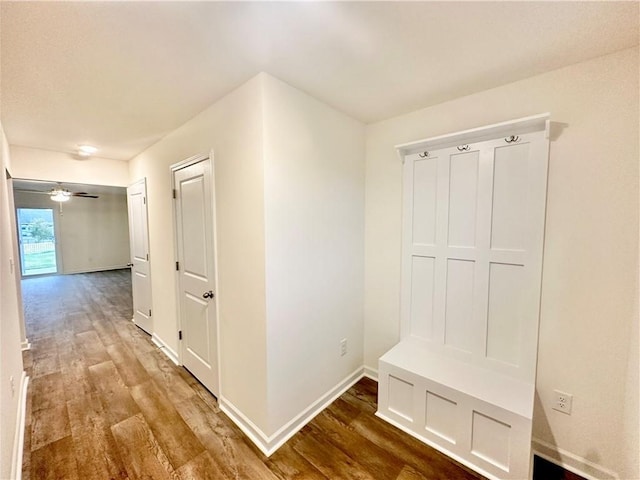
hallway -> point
(105, 403)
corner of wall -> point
(269, 444)
(314, 237)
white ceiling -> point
(122, 75)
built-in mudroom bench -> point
(462, 377)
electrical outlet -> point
(343, 347)
(562, 402)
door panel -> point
(196, 320)
(139, 246)
(195, 219)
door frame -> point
(207, 157)
(16, 262)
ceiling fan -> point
(59, 193)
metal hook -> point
(512, 138)
(423, 154)
(463, 148)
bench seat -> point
(478, 417)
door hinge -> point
(149, 312)
(175, 193)
(179, 334)
(178, 266)
(147, 257)
(144, 200)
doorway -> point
(37, 240)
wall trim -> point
(371, 373)
(268, 444)
(25, 345)
(167, 350)
(571, 462)
(18, 440)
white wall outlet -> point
(562, 402)
(343, 347)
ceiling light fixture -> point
(60, 195)
(86, 150)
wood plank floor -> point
(105, 403)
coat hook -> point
(463, 148)
(423, 154)
(512, 138)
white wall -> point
(92, 233)
(314, 233)
(10, 353)
(38, 164)
(591, 249)
(232, 127)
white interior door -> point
(196, 270)
(139, 245)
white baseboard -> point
(25, 345)
(18, 441)
(268, 444)
(571, 462)
(168, 351)
(371, 373)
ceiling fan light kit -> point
(59, 195)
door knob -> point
(208, 294)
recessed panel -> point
(422, 271)
(441, 417)
(459, 305)
(504, 321)
(141, 287)
(401, 397)
(197, 328)
(463, 189)
(510, 190)
(138, 243)
(194, 237)
(490, 440)
(425, 189)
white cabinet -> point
(462, 377)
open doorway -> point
(89, 231)
(37, 240)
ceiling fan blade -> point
(32, 191)
(83, 195)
